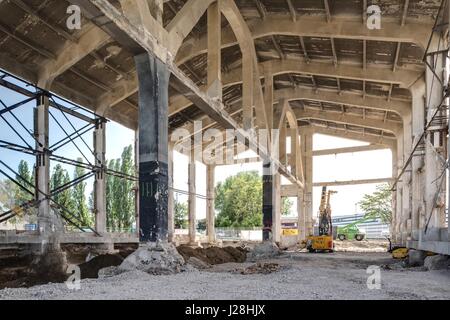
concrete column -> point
(247, 91)
(210, 205)
(192, 198)
(307, 149)
(399, 193)
(434, 147)
(214, 51)
(171, 199)
(153, 76)
(418, 184)
(100, 177)
(46, 225)
(301, 223)
(267, 201)
(395, 172)
(406, 193)
(276, 209)
(136, 168)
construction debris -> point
(416, 258)
(260, 268)
(437, 262)
(265, 250)
(155, 258)
(214, 255)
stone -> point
(437, 262)
(265, 250)
(160, 258)
(416, 258)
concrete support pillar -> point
(100, 177)
(214, 51)
(307, 149)
(46, 225)
(192, 198)
(247, 91)
(399, 194)
(171, 199)
(395, 173)
(301, 223)
(406, 192)
(153, 77)
(136, 168)
(210, 203)
(276, 210)
(435, 145)
(418, 162)
(271, 204)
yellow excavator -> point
(323, 241)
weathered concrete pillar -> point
(267, 201)
(210, 203)
(214, 51)
(276, 209)
(301, 222)
(46, 225)
(192, 198)
(136, 168)
(171, 199)
(395, 172)
(307, 151)
(406, 192)
(435, 146)
(153, 76)
(397, 229)
(418, 185)
(100, 177)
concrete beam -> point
(352, 182)
(390, 143)
(326, 152)
(395, 128)
(313, 27)
(377, 103)
(91, 40)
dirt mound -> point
(90, 269)
(214, 255)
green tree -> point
(110, 216)
(126, 200)
(25, 178)
(286, 206)
(378, 204)
(79, 198)
(59, 178)
(239, 201)
(180, 215)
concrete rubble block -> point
(416, 258)
(155, 258)
(437, 262)
(109, 272)
(265, 250)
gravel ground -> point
(301, 276)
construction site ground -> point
(292, 275)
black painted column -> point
(153, 76)
(267, 202)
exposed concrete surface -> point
(300, 276)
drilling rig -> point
(323, 241)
